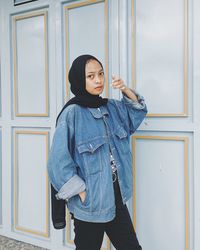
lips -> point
(100, 87)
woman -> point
(90, 162)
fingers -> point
(82, 196)
(117, 83)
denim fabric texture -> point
(79, 158)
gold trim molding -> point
(78, 5)
(15, 19)
(185, 61)
(16, 226)
(185, 140)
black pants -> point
(89, 236)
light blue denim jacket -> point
(79, 158)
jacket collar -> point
(99, 112)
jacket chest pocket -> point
(91, 153)
(122, 139)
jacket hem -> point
(98, 217)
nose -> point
(97, 79)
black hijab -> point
(76, 78)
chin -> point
(98, 92)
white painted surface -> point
(1, 178)
(196, 104)
(86, 31)
(30, 178)
(30, 63)
(160, 197)
(160, 54)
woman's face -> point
(94, 77)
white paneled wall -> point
(0, 178)
(162, 54)
(0, 128)
(30, 182)
(30, 69)
(163, 202)
(88, 35)
(154, 46)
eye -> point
(101, 73)
(90, 76)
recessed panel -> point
(0, 84)
(161, 55)
(86, 31)
(161, 193)
(31, 184)
(0, 178)
(30, 65)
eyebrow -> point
(94, 71)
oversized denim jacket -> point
(79, 158)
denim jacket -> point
(79, 158)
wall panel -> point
(30, 182)
(161, 202)
(30, 64)
(86, 34)
(1, 177)
(161, 67)
(0, 82)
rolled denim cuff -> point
(74, 186)
(137, 105)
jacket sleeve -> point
(62, 169)
(131, 113)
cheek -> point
(88, 86)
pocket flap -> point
(91, 146)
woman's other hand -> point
(118, 83)
(82, 196)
